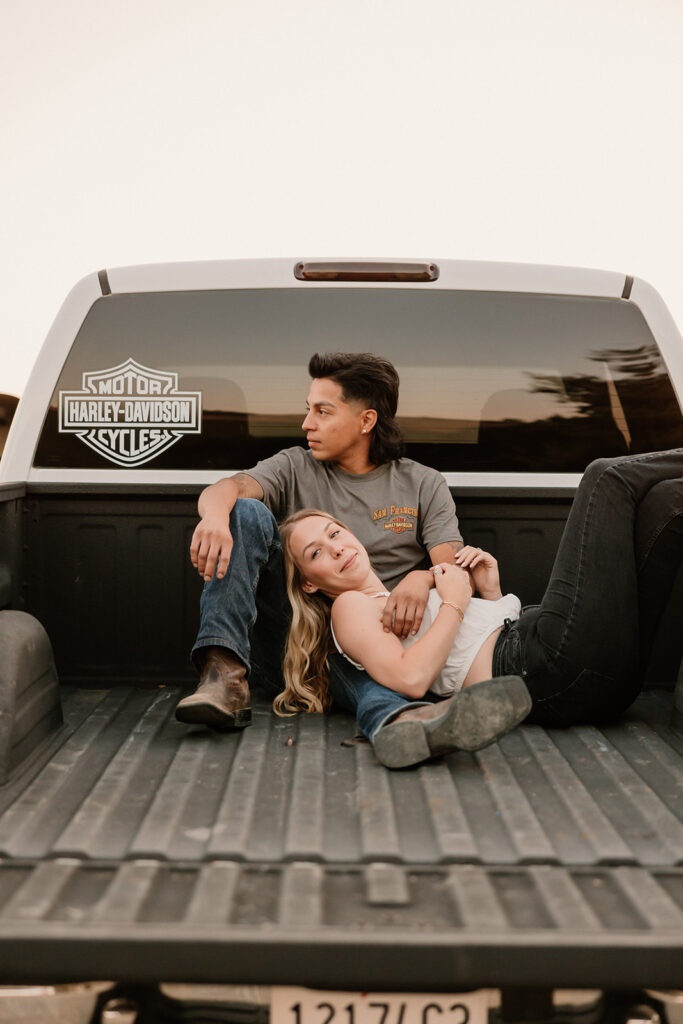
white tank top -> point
(481, 619)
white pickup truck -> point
(540, 879)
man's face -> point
(334, 427)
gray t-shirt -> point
(399, 511)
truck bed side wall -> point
(11, 546)
(109, 576)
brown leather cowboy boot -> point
(469, 720)
(221, 699)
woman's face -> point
(329, 557)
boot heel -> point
(401, 744)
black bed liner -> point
(255, 857)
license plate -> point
(311, 1006)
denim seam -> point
(581, 569)
(581, 564)
(674, 515)
(647, 457)
(566, 689)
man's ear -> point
(368, 420)
(308, 587)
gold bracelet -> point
(455, 607)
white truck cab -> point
(511, 375)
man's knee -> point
(249, 513)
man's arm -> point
(405, 605)
(445, 552)
(212, 541)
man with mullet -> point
(401, 511)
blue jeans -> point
(248, 613)
(583, 650)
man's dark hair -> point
(373, 380)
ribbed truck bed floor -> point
(142, 849)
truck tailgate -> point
(139, 848)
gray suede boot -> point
(469, 720)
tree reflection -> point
(628, 406)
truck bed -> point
(183, 855)
(165, 862)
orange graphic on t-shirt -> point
(399, 524)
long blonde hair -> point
(310, 636)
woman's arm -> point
(358, 627)
(406, 603)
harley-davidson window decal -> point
(129, 413)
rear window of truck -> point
(490, 381)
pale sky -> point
(539, 131)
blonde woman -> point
(333, 591)
(581, 652)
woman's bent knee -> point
(597, 467)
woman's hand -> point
(406, 603)
(453, 584)
(484, 570)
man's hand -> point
(211, 547)
(405, 605)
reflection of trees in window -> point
(588, 392)
(629, 406)
(633, 391)
(641, 362)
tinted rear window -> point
(489, 381)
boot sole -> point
(208, 714)
(476, 717)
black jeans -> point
(582, 651)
